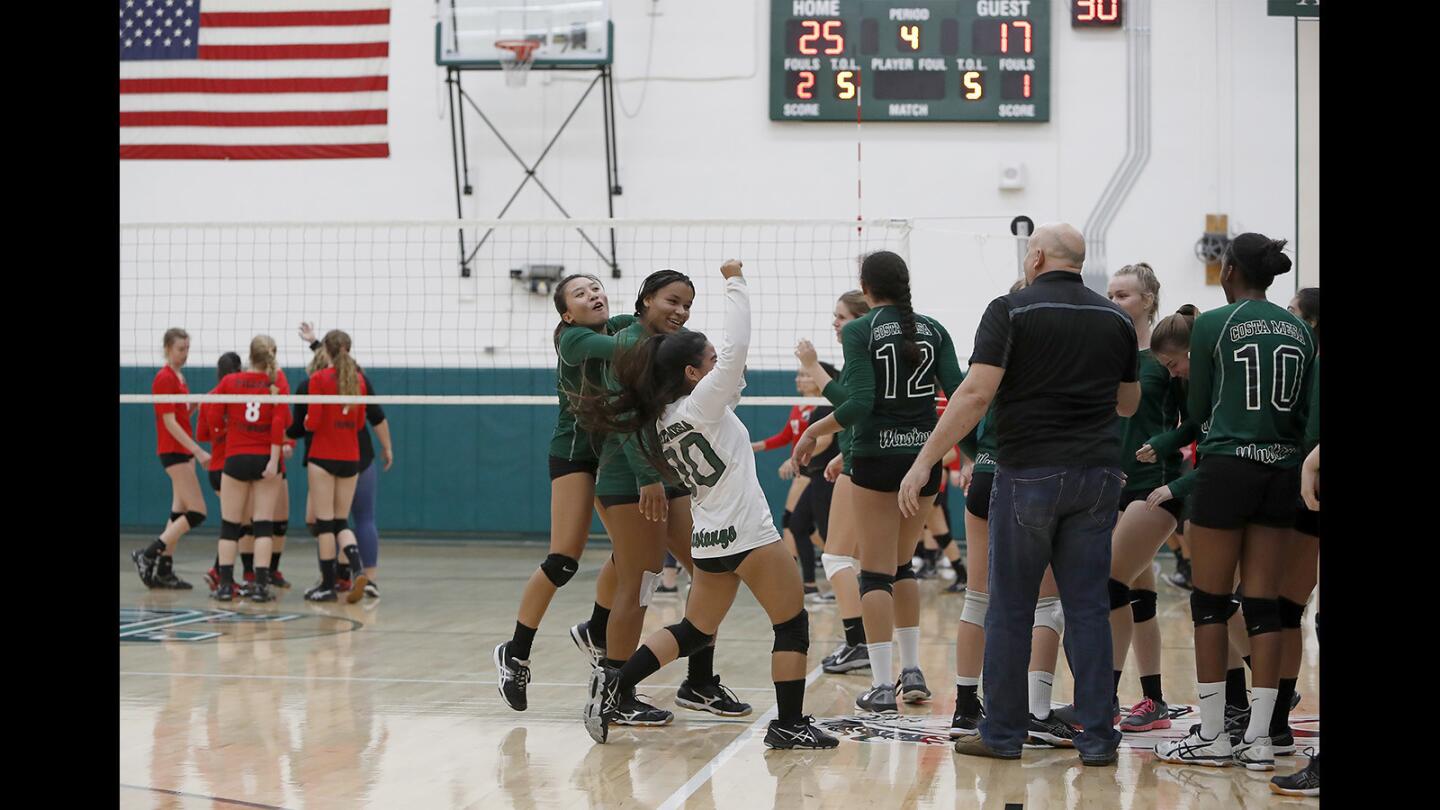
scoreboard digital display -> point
(921, 60)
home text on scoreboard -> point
(910, 60)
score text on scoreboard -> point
(910, 60)
(1096, 14)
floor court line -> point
(677, 799)
(221, 799)
(243, 676)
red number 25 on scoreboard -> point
(814, 30)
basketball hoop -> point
(522, 56)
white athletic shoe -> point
(1256, 755)
(1192, 749)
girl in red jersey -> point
(799, 547)
(254, 434)
(176, 448)
(334, 466)
(228, 364)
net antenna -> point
(516, 58)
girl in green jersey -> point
(1250, 368)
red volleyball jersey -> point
(335, 428)
(794, 428)
(168, 382)
(250, 428)
(205, 432)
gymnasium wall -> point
(696, 142)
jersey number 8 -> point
(252, 412)
(685, 466)
(888, 354)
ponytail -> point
(651, 375)
(884, 275)
(347, 372)
(262, 357)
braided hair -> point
(884, 276)
(1257, 258)
(654, 283)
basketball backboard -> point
(571, 33)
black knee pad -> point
(1142, 605)
(944, 540)
(264, 528)
(559, 569)
(247, 530)
(340, 524)
(1290, 614)
(906, 571)
(1119, 594)
(871, 581)
(689, 638)
(314, 527)
(793, 635)
(282, 528)
(194, 518)
(1261, 615)
(175, 515)
(230, 530)
(1211, 608)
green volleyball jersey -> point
(891, 405)
(631, 456)
(1250, 367)
(1161, 401)
(1312, 420)
(985, 443)
(581, 354)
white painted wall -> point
(1224, 141)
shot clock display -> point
(911, 60)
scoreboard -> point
(910, 60)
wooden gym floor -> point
(392, 703)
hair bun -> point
(1276, 262)
(1188, 310)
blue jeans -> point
(362, 509)
(1062, 517)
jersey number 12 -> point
(889, 356)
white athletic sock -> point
(1262, 705)
(1212, 708)
(966, 680)
(1041, 684)
(881, 662)
(909, 640)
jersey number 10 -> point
(888, 355)
(686, 467)
(1285, 382)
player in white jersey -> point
(678, 395)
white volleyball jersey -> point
(709, 447)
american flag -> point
(253, 79)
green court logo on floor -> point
(187, 624)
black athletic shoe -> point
(633, 711)
(962, 577)
(966, 725)
(1283, 745)
(1236, 721)
(514, 677)
(260, 592)
(170, 581)
(1305, 782)
(145, 566)
(602, 703)
(278, 579)
(372, 590)
(802, 734)
(1051, 731)
(713, 697)
(225, 592)
(958, 586)
(847, 659)
(320, 593)
(878, 700)
(580, 634)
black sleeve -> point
(1132, 358)
(374, 413)
(314, 345)
(992, 338)
(297, 422)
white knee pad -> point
(1049, 614)
(649, 581)
(836, 562)
(976, 605)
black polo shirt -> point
(1065, 350)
